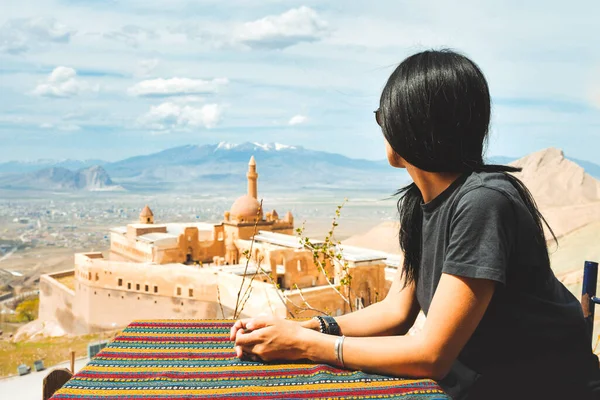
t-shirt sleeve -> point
(482, 233)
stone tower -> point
(146, 216)
(252, 179)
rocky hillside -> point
(556, 181)
(568, 197)
(59, 178)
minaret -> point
(252, 178)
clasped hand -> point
(268, 339)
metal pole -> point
(588, 295)
(72, 362)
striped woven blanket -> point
(194, 359)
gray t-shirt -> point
(479, 227)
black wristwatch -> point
(332, 326)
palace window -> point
(89, 276)
(97, 277)
(129, 285)
(147, 288)
(155, 289)
(120, 282)
(178, 291)
(137, 286)
(191, 292)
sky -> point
(110, 79)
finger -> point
(250, 357)
(256, 358)
(249, 353)
(257, 323)
(233, 331)
(239, 324)
(248, 339)
(235, 327)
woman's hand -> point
(257, 323)
(240, 326)
(269, 339)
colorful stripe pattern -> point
(192, 359)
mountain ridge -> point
(15, 166)
(192, 167)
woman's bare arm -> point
(457, 308)
(395, 315)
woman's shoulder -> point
(488, 189)
(497, 181)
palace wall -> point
(57, 303)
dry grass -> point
(51, 350)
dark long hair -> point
(435, 113)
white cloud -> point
(62, 82)
(196, 31)
(297, 25)
(20, 35)
(12, 119)
(61, 127)
(132, 35)
(145, 68)
(176, 86)
(298, 120)
(172, 116)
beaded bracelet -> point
(328, 325)
(322, 324)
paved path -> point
(22, 296)
(29, 387)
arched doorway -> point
(189, 256)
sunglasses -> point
(378, 116)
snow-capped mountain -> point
(226, 163)
(255, 146)
(201, 168)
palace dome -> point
(246, 207)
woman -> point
(499, 324)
